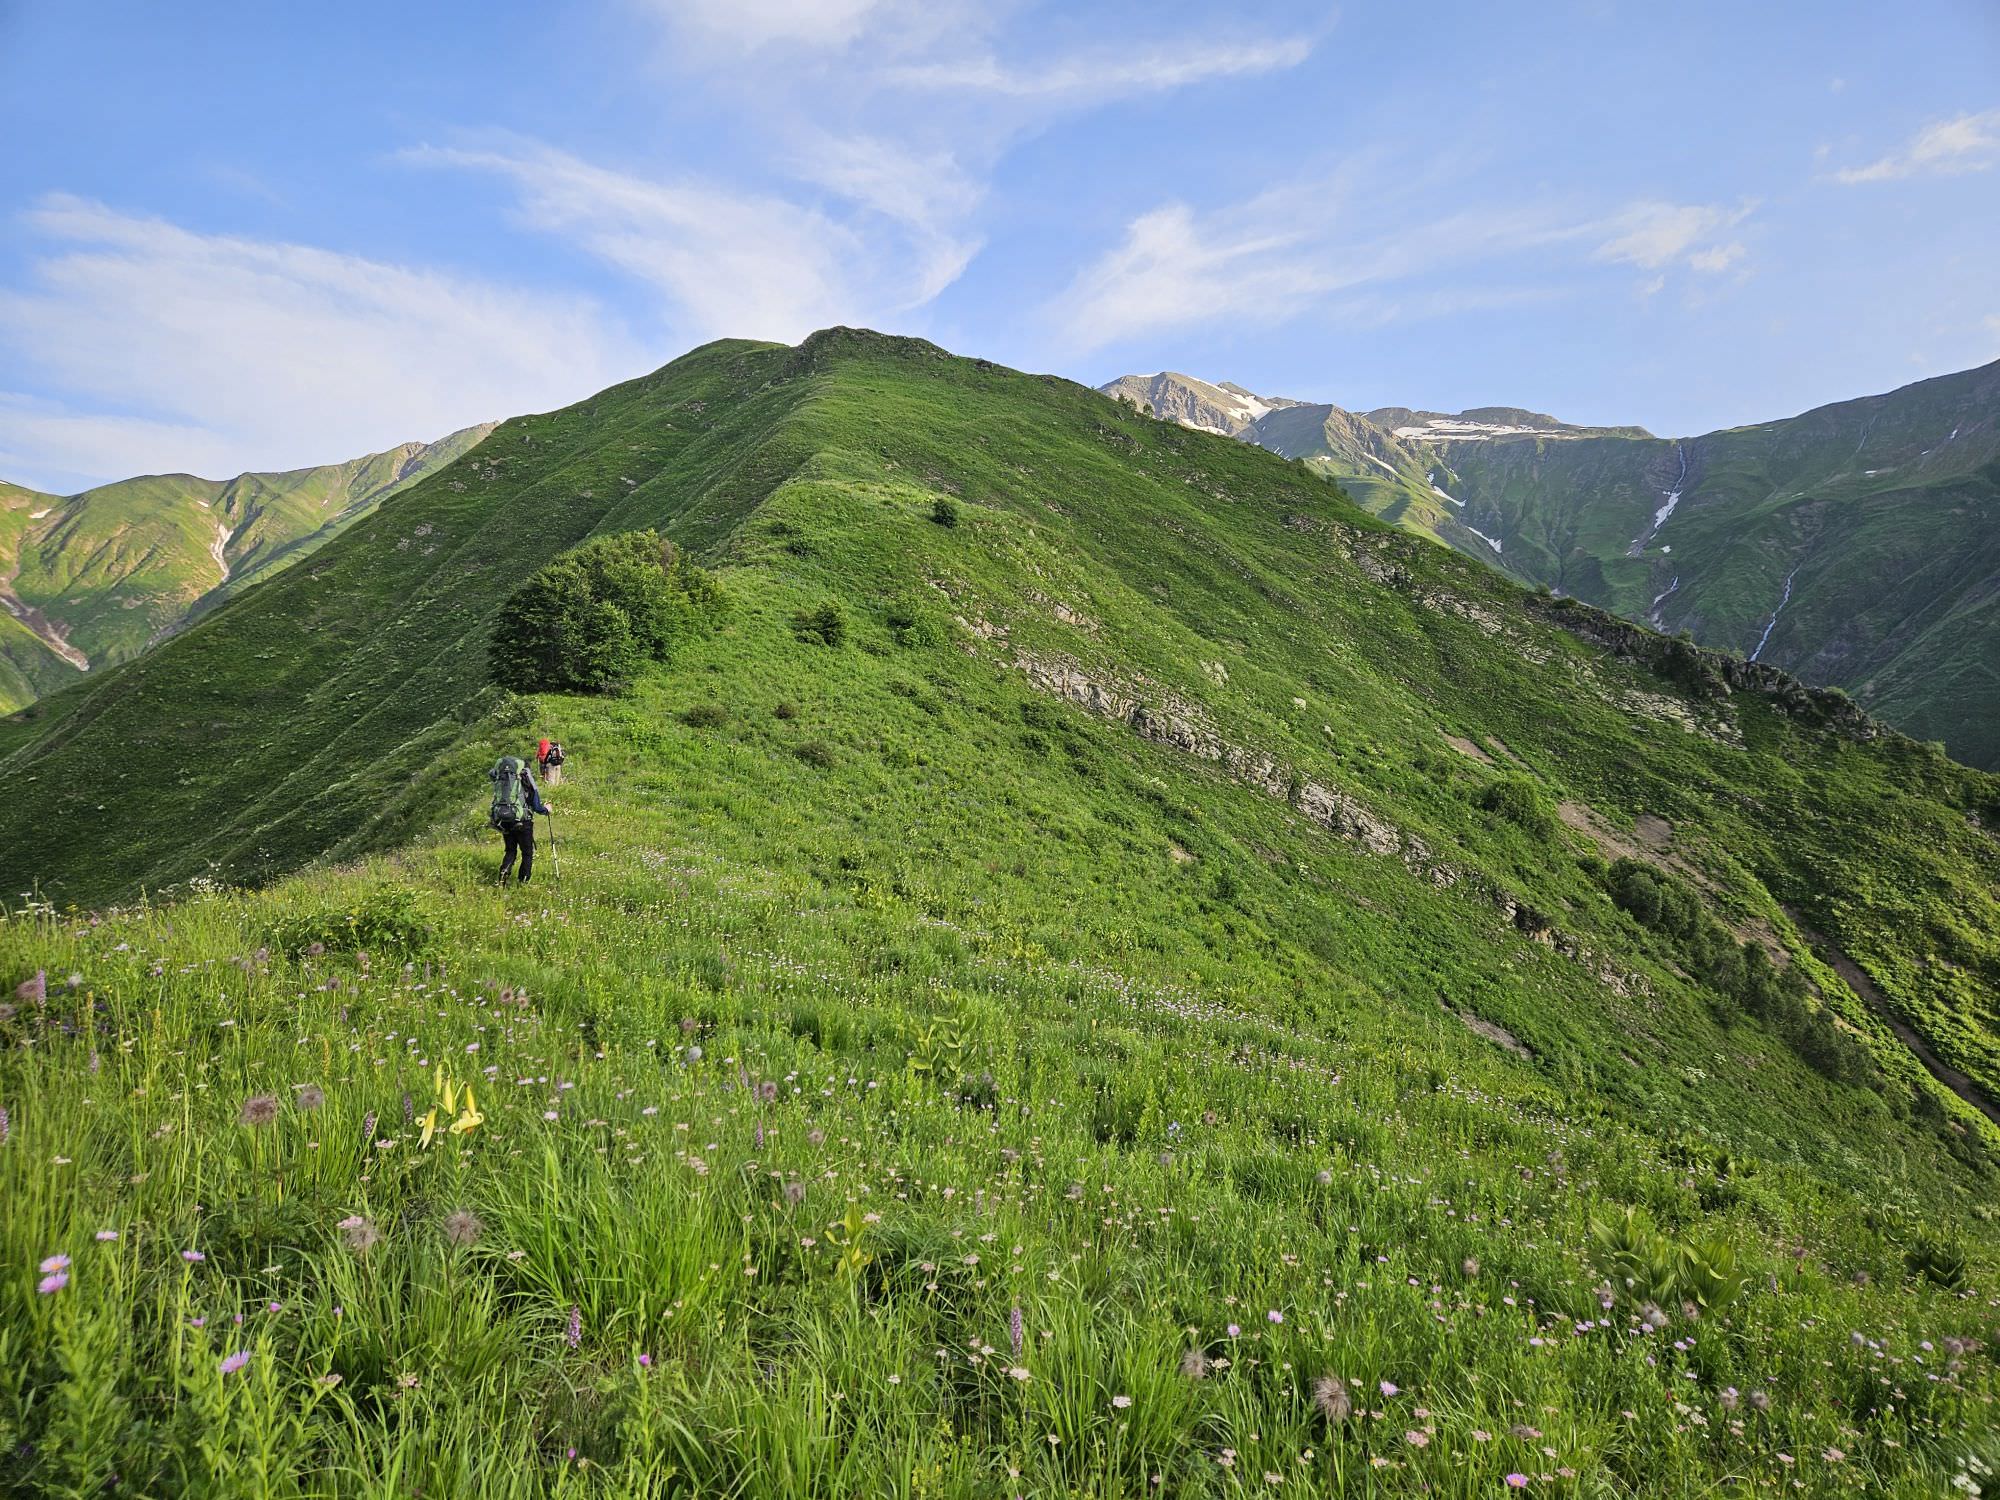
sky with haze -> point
(258, 236)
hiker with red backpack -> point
(516, 800)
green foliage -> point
(1645, 1266)
(915, 624)
(592, 619)
(1519, 801)
(1938, 1258)
(825, 622)
(705, 716)
(382, 920)
(944, 511)
(815, 753)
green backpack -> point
(510, 803)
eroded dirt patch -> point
(1466, 748)
(1494, 1032)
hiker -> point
(552, 763)
(516, 800)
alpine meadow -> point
(1069, 959)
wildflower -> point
(55, 1281)
(1330, 1396)
(1018, 1373)
(1390, 1388)
(1194, 1365)
(430, 1127)
(795, 1192)
(1481, 1435)
(573, 1334)
(6, 1125)
(645, 1361)
(409, 1108)
(1517, 1481)
(767, 1092)
(1014, 1331)
(56, 1263)
(1727, 1400)
(1121, 1402)
(258, 1110)
(1417, 1439)
(1759, 1401)
(106, 1236)
(35, 990)
(231, 1363)
(463, 1227)
(1323, 1177)
(815, 1137)
(1275, 1316)
(1524, 1432)
(694, 1054)
(1233, 1330)
(361, 1235)
(331, 1379)
(193, 1257)
(311, 1097)
(1653, 1317)
(1470, 1265)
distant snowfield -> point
(1432, 480)
(1484, 537)
(38, 514)
(1458, 430)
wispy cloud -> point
(731, 262)
(752, 25)
(172, 349)
(1108, 73)
(1284, 254)
(1967, 143)
(1654, 235)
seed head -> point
(34, 990)
(311, 1097)
(795, 1192)
(1323, 1177)
(1194, 1365)
(816, 1137)
(361, 1234)
(258, 1110)
(767, 1092)
(1331, 1397)
(1470, 1266)
(1759, 1401)
(462, 1227)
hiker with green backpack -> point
(516, 800)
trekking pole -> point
(555, 854)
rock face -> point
(1173, 397)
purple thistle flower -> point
(573, 1334)
(231, 1363)
(1014, 1330)
(6, 1125)
(645, 1361)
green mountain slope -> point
(96, 578)
(1176, 901)
(1857, 545)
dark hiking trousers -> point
(520, 836)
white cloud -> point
(175, 350)
(728, 263)
(1108, 74)
(1968, 143)
(750, 25)
(1718, 258)
(1654, 235)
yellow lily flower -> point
(430, 1128)
(471, 1118)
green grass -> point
(1107, 999)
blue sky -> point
(245, 235)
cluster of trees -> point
(591, 620)
(1742, 972)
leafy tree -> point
(591, 620)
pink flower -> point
(56, 1263)
(1234, 1330)
(645, 1361)
(55, 1281)
(1389, 1388)
(193, 1257)
(231, 1363)
(1517, 1481)
(106, 1236)
(1275, 1316)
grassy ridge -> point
(1112, 890)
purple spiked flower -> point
(573, 1334)
(1014, 1329)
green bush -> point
(705, 716)
(1517, 800)
(816, 753)
(912, 624)
(827, 624)
(944, 511)
(591, 620)
(386, 920)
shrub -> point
(1519, 801)
(911, 624)
(816, 753)
(827, 624)
(592, 619)
(385, 920)
(705, 716)
(944, 511)
(784, 709)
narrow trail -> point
(1672, 497)
(1857, 980)
(1772, 624)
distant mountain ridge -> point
(93, 579)
(1856, 545)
